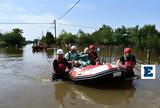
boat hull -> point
(99, 74)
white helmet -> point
(73, 47)
(60, 51)
(86, 50)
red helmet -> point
(91, 47)
(62, 66)
(127, 50)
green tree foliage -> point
(67, 38)
(146, 37)
(121, 36)
(104, 35)
(1, 37)
(2, 43)
(151, 39)
(86, 39)
(48, 39)
(80, 33)
(35, 40)
(14, 38)
(133, 36)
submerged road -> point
(25, 83)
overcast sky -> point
(91, 13)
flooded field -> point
(25, 83)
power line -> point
(68, 10)
(46, 23)
(22, 23)
(78, 26)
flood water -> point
(25, 83)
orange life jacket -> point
(129, 64)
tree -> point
(35, 40)
(1, 37)
(104, 35)
(70, 39)
(18, 31)
(67, 38)
(80, 33)
(86, 40)
(133, 35)
(49, 38)
(14, 38)
(121, 36)
(147, 33)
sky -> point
(91, 13)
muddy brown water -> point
(25, 83)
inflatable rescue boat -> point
(98, 73)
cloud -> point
(6, 7)
(10, 13)
(9, 8)
(21, 9)
(35, 31)
(32, 31)
(34, 18)
(34, 9)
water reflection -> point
(106, 51)
(95, 95)
(49, 53)
(23, 62)
(12, 52)
(61, 91)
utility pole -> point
(42, 34)
(55, 31)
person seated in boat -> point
(127, 61)
(84, 58)
(72, 56)
(93, 55)
(61, 66)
